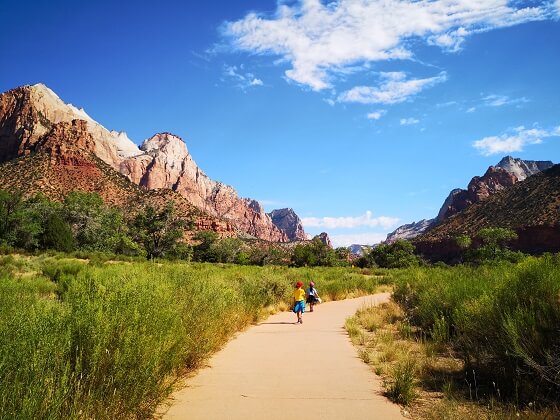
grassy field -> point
(479, 342)
(105, 339)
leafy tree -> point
(494, 246)
(206, 240)
(463, 241)
(399, 254)
(314, 253)
(158, 231)
(57, 234)
(11, 205)
(225, 250)
(96, 226)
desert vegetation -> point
(471, 340)
(107, 339)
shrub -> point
(401, 389)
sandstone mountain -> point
(166, 163)
(505, 174)
(409, 231)
(29, 114)
(63, 160)
(288, 221)
(531, 208)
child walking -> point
(299, 301)
(312, 296)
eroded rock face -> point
(523, 169)
(287, 220)
(68, 144)
(324, 237)
(505, 174)
(167, 163)
(481, 187)
(29, 113)
(410, 231)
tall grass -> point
(503, 320)
(95, 340)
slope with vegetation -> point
(531, 208)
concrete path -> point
(281, 370)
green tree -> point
(399, 254)
(57, 234)
(158, 231)
(226, 250)
(494, 245)
(11, 206)
(203, 251)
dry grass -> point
(419, 374)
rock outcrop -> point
(324, 237)
(410, 230)
(531, 208)
(29, 113)
(481, 187)
(523, 169)
(505, 174)
(288, 221)
(167, 163)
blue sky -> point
(361, 115)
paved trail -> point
(278, 370)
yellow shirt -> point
(299, 294)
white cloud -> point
(471, 109)
(322, 39)
(375, 115)
(371, 238)
(513, 141)
(501, 100)
(409, 121)
(394, 89)
(349, 222)
(242, 79)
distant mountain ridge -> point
(29, 113)
(531, 208)
(508, 172)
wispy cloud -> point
(394, 88)
(241, 79)
(350, 222)
(370, 238)
(502, 100)
(375, 115)
(471, 109)
(321, 40)
(513, 141)
(409, 121)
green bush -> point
(501, 319)
(113, 338)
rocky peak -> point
(287, 220)
(324, 237)
(29, 112)
(505, 174)
(167, 143)
(410, 230)
(523, 169)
